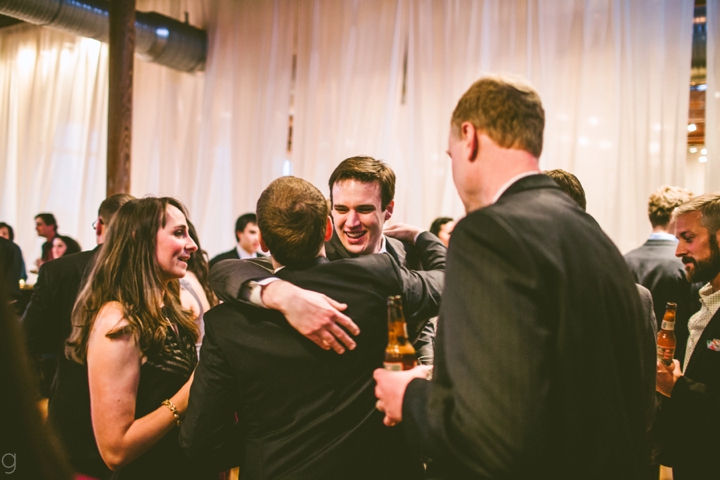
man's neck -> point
(277, 265)
(715, 283)
(497, 166)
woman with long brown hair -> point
(137, 341)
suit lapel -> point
(701, 348)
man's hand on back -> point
(403, 231)
(314, 315)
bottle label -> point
(668, 325)
(393, 366)
(665, 355)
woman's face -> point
(58, 248)
(174, 245)
(5, 233)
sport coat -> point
(655, 266)
(426, 257)
(47, 321)
(303, 412)
(229, 255)
(539, 359)
(687, 424)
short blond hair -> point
(506, 109)
(709, 207)
(663, 201)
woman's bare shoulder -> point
(110, 318)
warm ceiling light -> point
(693, 149)
(702, 159)
(692, 127)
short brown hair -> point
(292, 216)
(569, 184)
(709, 207)
(110, 206)
(366, 170)
(507, 110)
(663, 201)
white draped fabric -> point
(712, 98)
(373, 77)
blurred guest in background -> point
(45, 226)
(7, 232)
(248, 243)
(655, 266)
(442, 228)
(64, 245)
(195, 292)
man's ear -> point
(328, 229)
(237, 237)
(262, 243)
(469, 135)
(389, 210)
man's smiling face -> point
(358, 215)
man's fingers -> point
(345, 321)
(328, 339)
(340, 334)
(388, 422)
(319, 341)
(335, 304)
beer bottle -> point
(399, 354)
(666, 337)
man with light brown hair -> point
(537, 373)
(656, 268)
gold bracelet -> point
(171, 406)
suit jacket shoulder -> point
(46, 321)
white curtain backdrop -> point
(373, 77)
(712, 98)
(216, 139)
(613, 77)
(53, 129)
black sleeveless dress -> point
(161, 376)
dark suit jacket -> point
(655, 266)
(10, 267)
(47, 318)
(687, 424)
(47, 324)
(304, 412)
(229, 255)
(538, 363)
(228, 277)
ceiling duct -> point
(158, 38)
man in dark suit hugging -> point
(303, 412)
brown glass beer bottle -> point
(666, 336)
(399, 354)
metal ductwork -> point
(158, 38)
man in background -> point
(46, 227)
(689, 417)
(442, 227)
(246, 234)
(47, 324)
(655, 266)
(538, 373)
